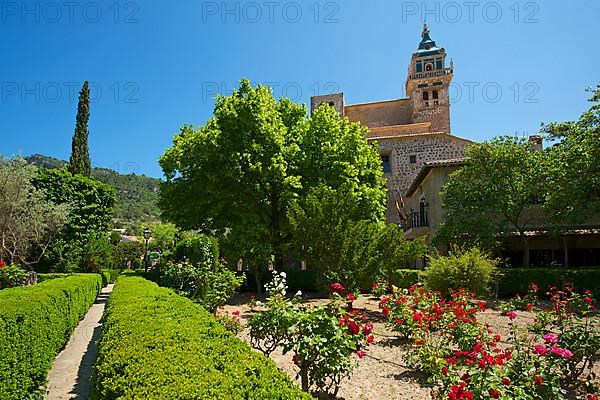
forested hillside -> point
(137, 194)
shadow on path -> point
(86, 368)
(71, 373)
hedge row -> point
(35, 323)
(517, 280)
(158, 345)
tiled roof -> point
(428, 166)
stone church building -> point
(411, 132)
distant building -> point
(411, 131)
(566, 246)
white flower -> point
(298, 293)
(258, 303)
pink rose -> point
(511, 314)
(368, 328)
(337, 288)
(550, 338)
(360, 353)
(540, 349)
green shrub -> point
(405, 278)
(197, 248)
(517, 280)
(204, 283)
(113, 274)
(471, 269)
(158, 345)
(35, 323)
(11, 275)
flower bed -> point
(35, 323)
(158, 345)
(455, 348)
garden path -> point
(71, 373)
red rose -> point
(588, 300)
(538, 380)
(506, 381)
(494, 394)
(353, 327)
(368, 328)
(2, 264)
(386, 311)
(370, 339)
(350, 297)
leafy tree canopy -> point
(91, 202)
(574, 166)
(29, 223)
(500, 190)
(238, 175)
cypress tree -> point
(80, 162)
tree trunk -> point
(304, 377)
(525, 241)
(566, 251)
(258, 281)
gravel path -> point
(71, 372)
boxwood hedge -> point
(35, 323)
(517, 280)
(158, 345)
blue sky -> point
(156, 65)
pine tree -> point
(80, 162)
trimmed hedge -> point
(35, 323)
(517, 280)
(158, 345)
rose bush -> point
(326, 340)
(467, 360)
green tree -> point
(125, 254)
(29, 223)
(237, 175)
(499, 191)
(164, 236)
(80, 162)
(91, 208)
(91, 201)
(333, 233)
(574, 167)
(97, 253)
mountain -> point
(137, 194)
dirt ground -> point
(381, 373)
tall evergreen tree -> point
(80, 162)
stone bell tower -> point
(428, 83)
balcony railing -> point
(431, 74)
(417, 220)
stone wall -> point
(426, 148)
